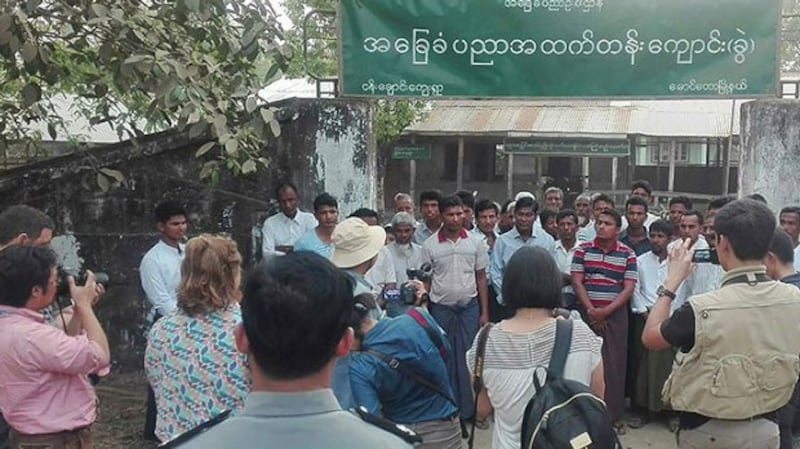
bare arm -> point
(84, 298)
(483, 295)
(598, 382)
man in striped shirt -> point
(604, 275)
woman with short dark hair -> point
(516, 347)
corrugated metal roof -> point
(612, 119)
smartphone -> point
(705, 256)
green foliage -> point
(192, 64)
(790, 38)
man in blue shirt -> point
(320, 239)
(420, 345)
(523, 234)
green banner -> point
(412, 153)
(553, 148)
(559, 48)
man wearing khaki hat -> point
(355, 248)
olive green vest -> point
(746, 357)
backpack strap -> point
(477, 384)
(405, 370)
(561, 348)
(433, 334)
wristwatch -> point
(662, 291)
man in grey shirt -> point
(298, 301)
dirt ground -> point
(122, 410)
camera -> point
(423, 274)
(62, 285)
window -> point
(660, 153)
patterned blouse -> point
(194, 369)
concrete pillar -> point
(769, 156)
(460, 165)
(412, 178)
(510, 176)
(614, 173)
(672, 157)
(585, 173)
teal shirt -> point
(310, 241)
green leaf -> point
(197, 129)
(251, 104)
(267, 115)
(31, 93)
(232, 147)
(100, 10)
(249, 166)
(29, 51)
(51, 129)
(205, 148)
(135, 59)
(114, 174)
(275, 127)
(103, 183)
(45, 54)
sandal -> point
(481, 424)
(620, 428)
(637, 422)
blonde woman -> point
(191, 359)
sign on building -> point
(572, 148)
(559, 48)
(419, 152)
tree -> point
(185, 63)
(790, 37)
(392, 116)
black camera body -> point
(423, 274)
(62, 285)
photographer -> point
(45, 394)
(738, 360)
(398, 370)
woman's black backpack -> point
(564, 414)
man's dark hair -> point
(168, 209)
(604, 198)
(681, 200)
(719, 202)
(567, 213)
(295, 310)
(790, 210)
(483, 205)
(448, 202)
(430, 195)
(325, 199)
(22, 219)
(467, 199)
(526, 202)
(545, 215)
(636, 201)
(757, 197)
(23, 267)
(743, 223)
(782, 246)
(694, 212)
(284, 185)
(532, 280)
(613, 214)
(664, 226)
(365, 212)
(642, 184)
(363, 304)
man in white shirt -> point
(705, 277)
(649, 368)
(282, 230)
(382, 275)
(566, 245)
(160, 273)
(405, 253)
(790, 222)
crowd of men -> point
(377, 308)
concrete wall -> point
(770, 155)
(324, 146)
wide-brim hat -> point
(355, 242)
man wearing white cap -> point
(355, 248)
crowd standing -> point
(355, 334)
